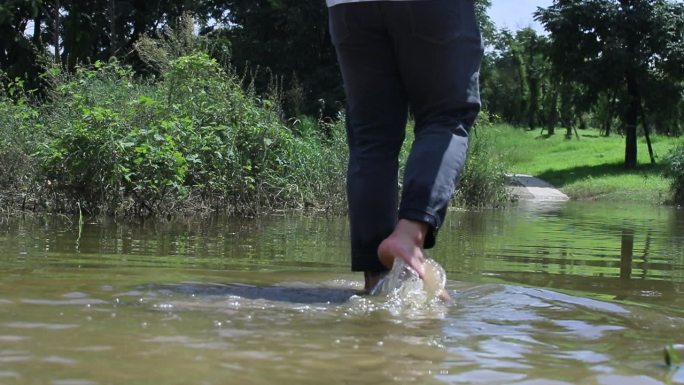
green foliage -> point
(484, 180)
(194, 139)
(517, 82)
(178, 39)
(286, 42)
(621, 51)
(20, 133)
(319, 170)
(674, 161)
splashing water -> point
(402, 285)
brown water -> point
(568, 294)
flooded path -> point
(559, 294)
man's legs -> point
(427, 53)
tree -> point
(80, 31)
(622, 46)
(19, 52)
(517, 84)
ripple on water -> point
(66, 302)
(40, 325)
(12, 338)
(189, 342)
(483, 376)
(585, 330)
(58, 360)
(74, 381)
(612, 379)
(9, 374)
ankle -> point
(413, 231)
(406, 242)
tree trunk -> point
(36, 30)
(55, 37)
(523, 106)
(633, 99)
(112, 28)
(644, 123)
(553, 117)
(631, 117)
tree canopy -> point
(628, 49)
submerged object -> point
(403, 282)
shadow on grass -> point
(560, 178)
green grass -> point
(588, 168)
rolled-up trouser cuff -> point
(432, 221)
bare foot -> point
(405, 242)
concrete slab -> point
(528, 187)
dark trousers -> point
(395, 57)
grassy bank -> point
(588, 168)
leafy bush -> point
(320, 165)
(20, 133)
(674, 161)
(195, 139)
(484, 180)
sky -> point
(516, 14)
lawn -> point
(589, 167)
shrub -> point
(674, 161)
(20, 134)
(194, 139)
(484, 179)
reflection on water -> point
(556, 294)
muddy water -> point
(556, 294)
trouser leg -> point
(439, 55)
(376, 118)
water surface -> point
(576, 293)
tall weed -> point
(484, 180)
(674, 161)
(21, 131)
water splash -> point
(404, 290)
